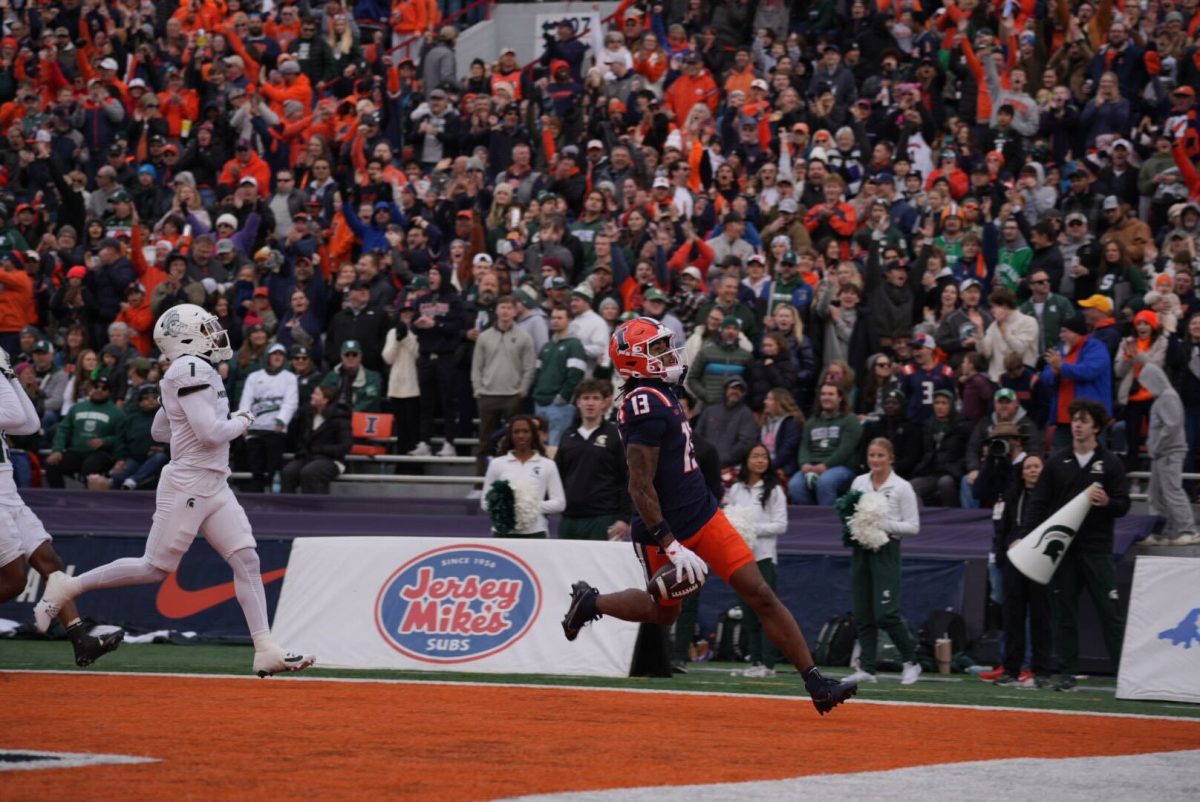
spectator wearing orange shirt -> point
(741, 74)
(246, 164)
(833, 218)
(294, 86)
(696, 86)
(16, 301)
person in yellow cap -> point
(1097, 310)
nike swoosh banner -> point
(464, 604)
(1161, 655)
(199, 597)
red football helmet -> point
(629, 351)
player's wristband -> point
(660, 533)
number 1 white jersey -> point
(196, 408)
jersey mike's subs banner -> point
(1160, 658)
(484, 605)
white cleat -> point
(270, 662)
(860, 677)
(58, 592)
(911, 672)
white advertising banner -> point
(1161, 655)
(453, 604)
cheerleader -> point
(875, 571)
(532, 476)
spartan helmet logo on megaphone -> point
(1039, 553)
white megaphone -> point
(1038, 554)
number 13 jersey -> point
(652, 416)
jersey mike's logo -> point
(457, 604)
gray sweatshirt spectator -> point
(1025, 108)
(438, 66)
(1166, 442)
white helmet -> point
(188, 329)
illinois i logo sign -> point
(457, 604)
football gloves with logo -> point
(245, 415)
(6, 365)
(689, 565)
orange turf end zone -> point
(224, 739)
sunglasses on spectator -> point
(352, 353)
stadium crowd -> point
(912, 220)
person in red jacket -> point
(246, 164)
(833, 218)
(135, 313)
(16, 301)
(959, 181)
(695, 86)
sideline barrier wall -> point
(1161, 655)
(461, 604)
(199, 597)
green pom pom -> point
(845, 507)
(502, 507)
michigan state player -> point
(677, 521)
(22, 537)
(193, 492)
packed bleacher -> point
(912, 220)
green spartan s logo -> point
(1056, 539)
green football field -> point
(957, 689)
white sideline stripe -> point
(1167, 776)
(311, 677)
(68, 760)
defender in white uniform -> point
(23, 539)
(193, 493)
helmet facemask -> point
(667, 365)
(218, 340)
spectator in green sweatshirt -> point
(826, 451)
(139, 457)
(86, 440)
(718, 361)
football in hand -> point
(667, 583)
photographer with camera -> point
(1003, 451)
(1007, 409)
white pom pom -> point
(866, 524)
(527, 506)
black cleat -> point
(828, 693)
(582, 610)
(90, 648)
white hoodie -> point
(272, 398)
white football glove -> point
(247, 416)
(687, 563)
(5, 365)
